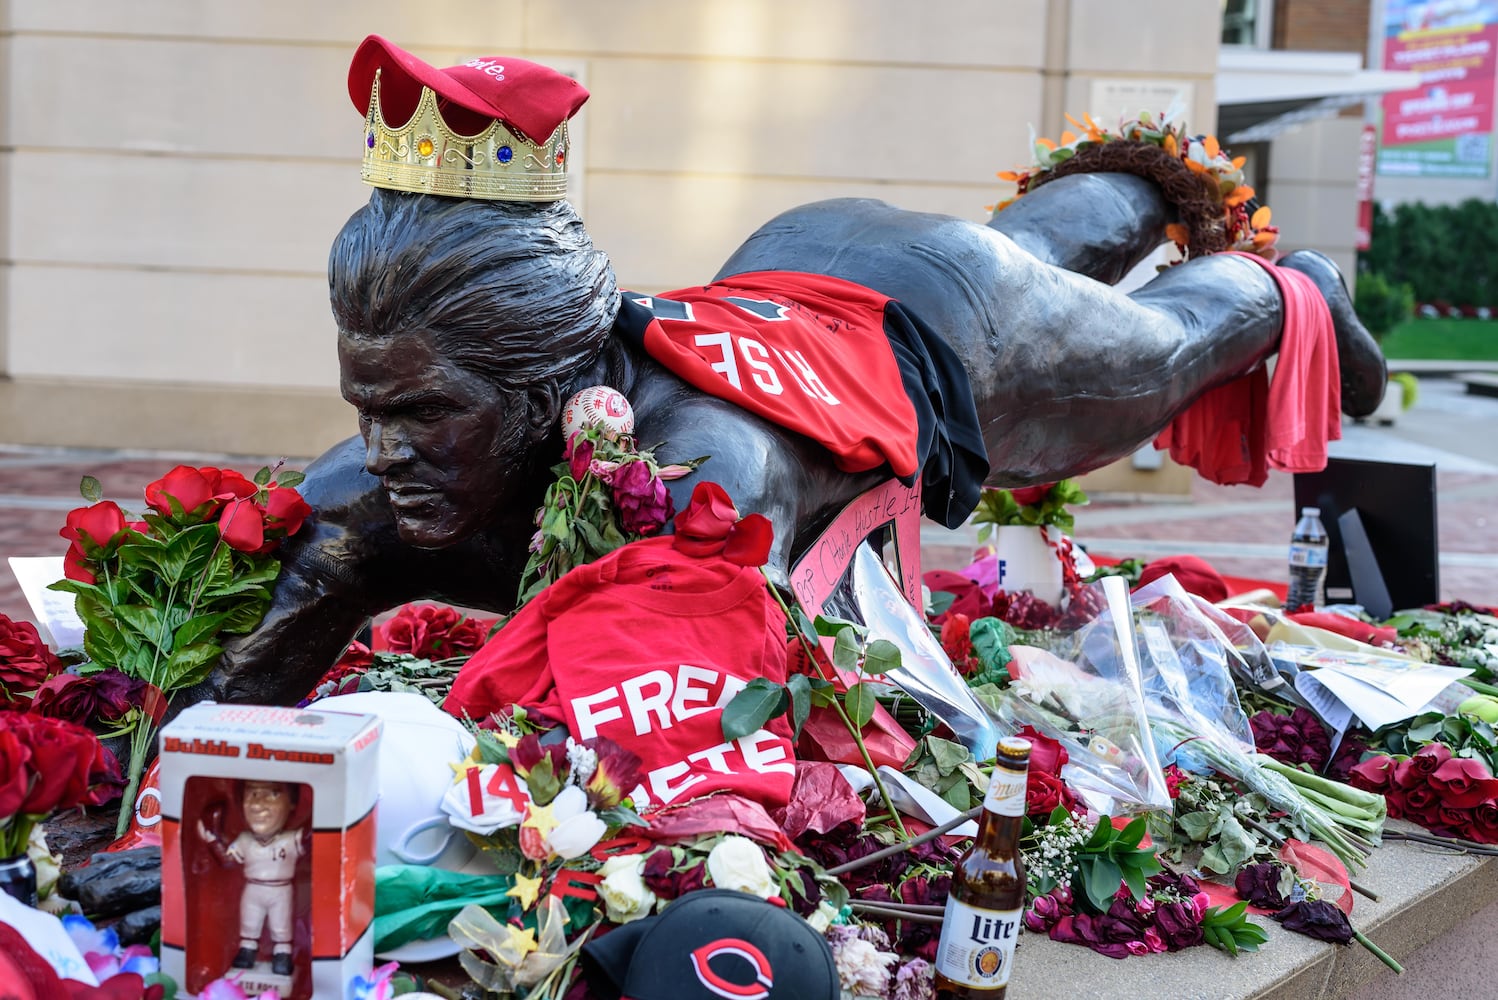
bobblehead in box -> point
(268, 848)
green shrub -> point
(1381, 304)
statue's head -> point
(467, 293)
(461, 324)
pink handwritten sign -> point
(822, 565)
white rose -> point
(623, 888)
(738, 863)
(578, 828)
(822, 917)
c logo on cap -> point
(757, 990)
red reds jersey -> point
(804, 351)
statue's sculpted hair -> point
(514, 292)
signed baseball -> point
(598, 406)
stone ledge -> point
(1423, 894)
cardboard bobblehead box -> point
(268, 848)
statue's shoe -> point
(1364, 372)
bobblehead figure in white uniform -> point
(269, 852)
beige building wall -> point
(172, 172)
(1313, 180)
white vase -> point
(1027, 562)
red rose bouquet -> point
(159, 595)
(46, 766)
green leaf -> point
(188, 552)
(288, 479)
(1131, 835)
(146, 622)
(949, 755)
(201, 627)
(860, 703)
(749, 710)
(1198, 825)
(542, 782)
(491, 750)
(826, 625)
(244, 617)
(622, 816)
(189, 665)
(262, 476)
(92, 489)
(554, 524)
(1101, 878)
(798, 686)
(846, 649)
(880, 657)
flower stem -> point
(857, 735)
(1378, 952)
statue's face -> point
(267, 807)
(446, 444)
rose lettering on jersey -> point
(764, 376)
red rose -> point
(1045, 753)
(579, 455)
(70, 767)
(25, 662)
(957, 643)
(432, 631)
(230, 485)
(666, 881)
(1463, 782)
(1043, 793)
(100, 522)
(643, 502)
(75, 566)
(15, 772)
(1484, 826)
(1429, 757)
(191, 488)
(1394, 799)
(710, 525)
(102, 697)
(242, 525)
(285, 509)
(1029, 496)
(702, 527)
(1376, 774)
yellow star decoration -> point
(518, 942)
(526, 890)
(542, 819)
(462, 767)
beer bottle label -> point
(1006, 792)
(977, 945)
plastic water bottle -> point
(1308, 548)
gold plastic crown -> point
(425, 156)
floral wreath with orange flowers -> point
(1217, 209)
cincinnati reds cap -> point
(531, 98)
(713, 944)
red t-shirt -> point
(1238, 431)
(804, 351)
(645, 646)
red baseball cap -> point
(530, 98)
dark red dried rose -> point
(1316, 918)
(1263, 884)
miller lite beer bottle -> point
(982, 919)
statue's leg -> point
(1067, 373)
